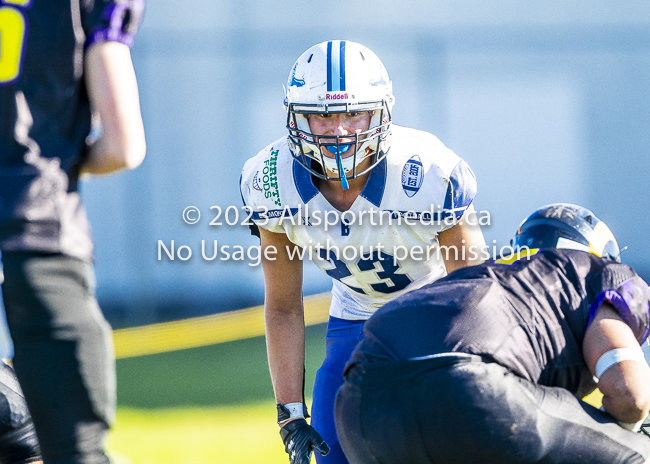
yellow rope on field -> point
(207, 330)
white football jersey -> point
(386, 243)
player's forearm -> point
(285, 343)
(105, 157)
(626, 391)
(625, 382)
(466, 242)
(471, 251)
(113, 92)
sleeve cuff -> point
(619, 303)
(109, 35)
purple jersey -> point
(45, 117)
(530, 316)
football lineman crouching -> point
(343, 153)
(487, 364)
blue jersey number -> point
(377, 262)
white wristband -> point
(295, 410)
(617, 355)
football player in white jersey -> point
(369, 202)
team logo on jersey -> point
(412, 176)
(270, 178)
(256, 181)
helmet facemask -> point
(371, 143)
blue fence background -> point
(547, 101)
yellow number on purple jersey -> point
(12, 38)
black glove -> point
(300, 439)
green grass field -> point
(212, 404)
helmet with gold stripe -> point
(563, 225)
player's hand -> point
(300, 439)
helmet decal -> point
(566, 244)
(604, 242)
(293, 81)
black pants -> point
(63, 354)
(465, 411)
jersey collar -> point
(373, 191)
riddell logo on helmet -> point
(336, 96)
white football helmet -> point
(338, 77)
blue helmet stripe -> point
(342, 65)
(335, 66)
(329, 66)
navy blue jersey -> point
(529, 316)
(45, 116)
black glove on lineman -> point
(300, 439)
